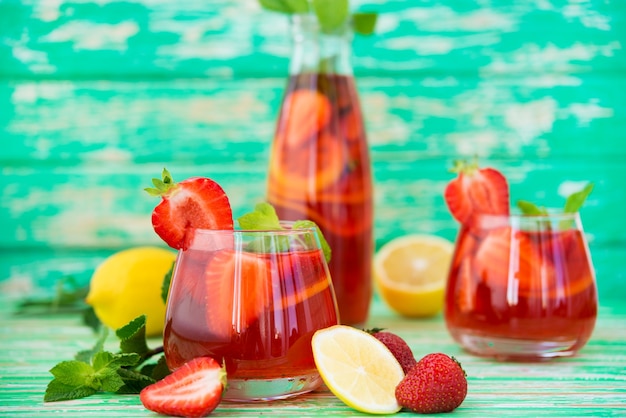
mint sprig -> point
(331, 14)
(264, 217)
(573, 203)
(98, 370)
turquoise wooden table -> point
(591, 384)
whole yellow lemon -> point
(128, 284)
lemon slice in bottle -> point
(359, 369)
(410, 274)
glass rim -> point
(288, 225)
(553, 213)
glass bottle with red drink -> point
(319, 165)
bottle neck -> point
(315, 51)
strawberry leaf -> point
(576, 200)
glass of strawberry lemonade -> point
(521, 287)
(252, 300)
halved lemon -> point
(359, 369)
(410, 274)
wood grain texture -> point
(590, 384)
(97, 96)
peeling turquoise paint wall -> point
(96, 97)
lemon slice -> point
(410, 273)
(359, 369)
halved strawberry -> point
(476, 191)
(196, 202)
(193, 390)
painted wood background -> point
(96, 97)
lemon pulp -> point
(359, 369)
(410, 274)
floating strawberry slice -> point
(193, 390)
(304, 113)
(251, 295)
(508, 257)
(197, 202)
(476, 190)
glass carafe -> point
(319, 165)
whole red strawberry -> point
(437, 383)
(193, 390)
(196, 202)
(476, 190)
(398, 347)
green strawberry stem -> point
(161, 186)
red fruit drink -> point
(254, 311)
(521, 289)
(320, 170)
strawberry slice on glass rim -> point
(476, 190)
(194, 203)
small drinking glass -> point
(252, 300)
(522, 287)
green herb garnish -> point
(69, 297)
(331, 14)
(264, 217)
(573, 203)
(97, 370)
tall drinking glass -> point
(252, 300)
(522, 287)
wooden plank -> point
(590, 384)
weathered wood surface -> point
(97, 96)
(592, 384)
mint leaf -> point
(133, 380)
(575, 201)
(332, 14)
(310, 224)
(59, 391)
(281, 6)
(97, 370)
(86, 355)
(262, 218)
(73, 373)
(133, 337)
(529, 208)
(156, 371)
(165, 286)
(298, 6)
(364, 23)
(104, 360)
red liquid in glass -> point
(538, 287)
(320, 170)
(264, 329)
